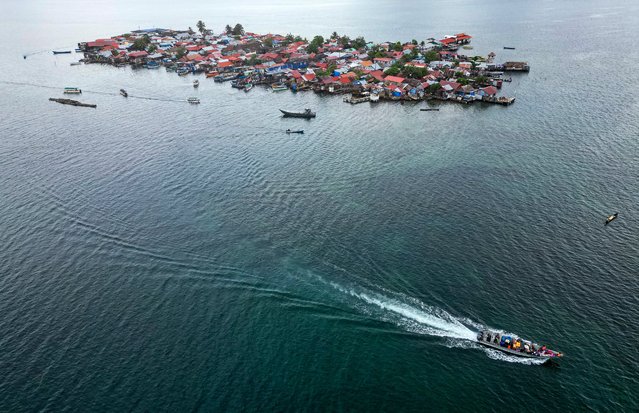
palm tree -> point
(201, 27)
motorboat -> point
(294, 131)
(279, 87)
(248, 87)
(307, 114)
(237, 84)
(515, 346)
(72, 91)
(196, 83)
(611, 218)
(193, 100)
(124, 93)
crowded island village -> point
(431, 69)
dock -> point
(501, 100)
(356, 99)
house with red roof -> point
(384, 61)
(137, 54)
(487, 91)
(394, 79)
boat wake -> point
(409, 314)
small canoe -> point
(294, 131)
(509, 48)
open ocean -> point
(159, 256)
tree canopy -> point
(359, 42)
(141, 43)
(201, 27)
(315, 44)
(238, 30)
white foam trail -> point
(418, 318)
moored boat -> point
(124, 93)
(374, 97)
(515, 346)
(307, 114)
(279, 87)
(193, 100)
(237, 84)
(211, 74)
(72, 91)
(183, 71)
(248, 87)
(225, 77)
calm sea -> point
(158, 256)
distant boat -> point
(61, 51)
(193, 100)
(429, 109)
(294, 131)
(278, 87)
(123, 93)
(467, 47)
(307, 114)
(611, 218)
(196, 83)
(509, 48)
(72, 90)
(75, 63)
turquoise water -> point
(159, 256)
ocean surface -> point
(160, 256)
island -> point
(395, 71)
